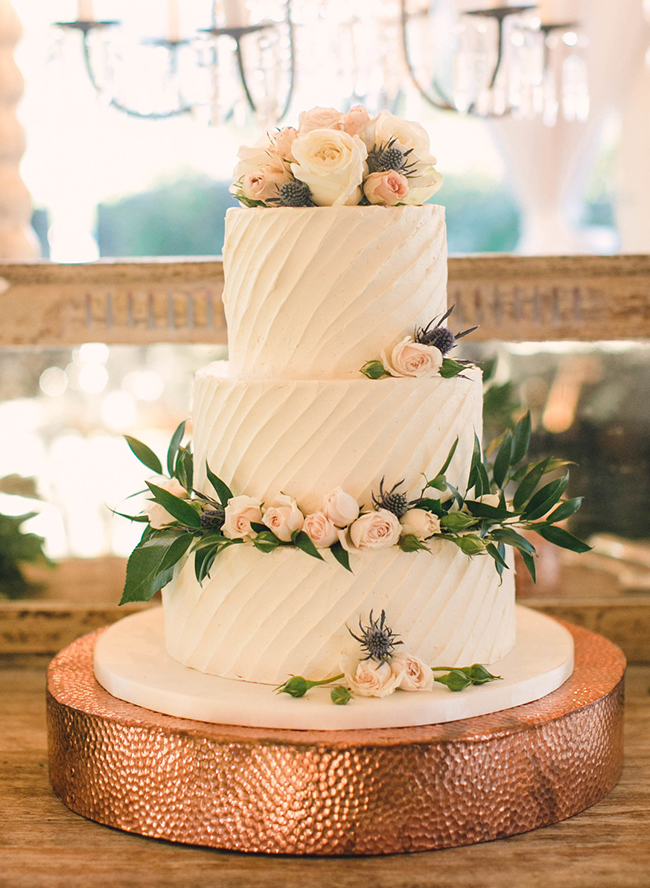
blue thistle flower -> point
(376, 639)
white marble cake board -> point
(131, 663)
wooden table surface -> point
(42, 843)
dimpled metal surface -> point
(354, 792)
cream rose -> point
(367, 678)
(340, 507)
(333, 165)
(283, 517)
(407, 135)
(376, 530)
(356, 121)
(241, 511)
(489, 499)
(414, 674)
(320, 530)
(158, 515)
(410, 358)
(264, 184)
(386, 189)
(320, 118)
(420, 524)
(283, 140)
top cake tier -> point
(315, 292)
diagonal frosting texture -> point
(314, 293)
(306, 437)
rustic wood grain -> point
(142, 301)
(44, 845)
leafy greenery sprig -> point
(196, 525)
(458, 678)
(479, 527)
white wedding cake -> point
(311, 294)
(338, 518)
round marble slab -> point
(336, 792)
(131, 663)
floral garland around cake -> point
(334, 159)
(482, 521)
(421, 355)
(380, 669)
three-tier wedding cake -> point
(338, 517)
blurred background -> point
(129, 117)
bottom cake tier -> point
(264, 616)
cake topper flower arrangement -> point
(335, 159)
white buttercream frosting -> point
(314, 293)
(262, 617)
(307, 437)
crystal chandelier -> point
(227, 59)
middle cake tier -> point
(304, 438)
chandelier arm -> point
(497, 64)
(443, 105)
(131, 112)
(292, 51)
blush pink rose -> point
(283, 140)
(356, 120)
(386, 189)
(367, 678)
(283, 517)
(240, 512)
(320, 118)
(264, 183)
(340, 507)
(409, 358)
(320, 530)
(414, 674)
(376, 530)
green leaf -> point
(145, 454)
(163, 537)
(304, 542)
(341, 555)
(180, 509)
(374, 370)
(221, 488)
(528, 485)
(545, 498)
(139, 518)
(429, 505)
(438, 483)
(501, 564)
(200, 558)
(176, 551)
(477, 457)
(560, 537)
(565, 510)
(502, 461)
(340, 695)
(529, 561)
(511, 538)
(483, 510)
(410, 543)
(174, 445)
(451, 368)
(185, 468)
(457, 521)
(520, 440)
(462, 677)
(450, 456)
(484, 481)
(266, 541)
(551, 465)
(144, 573)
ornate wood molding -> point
(514, 298)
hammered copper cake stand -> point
(334, 793)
